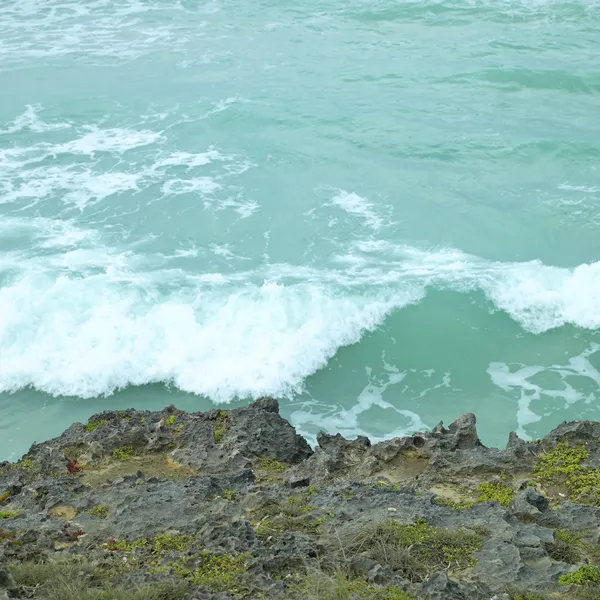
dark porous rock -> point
(529, 504)
(234, 504)
(7, 583)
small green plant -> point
(586, 574)
(563, 467)
(123, 453)
(26, 464)
(76, 580)
(319, 585)
(123, 415)
(568, 546)
(221, 426)
(454, 504)
(496, 492)
(416, 550)
(9, 514)
(295, 505)
(526, 596)
(266, 527)
(218, 573)
(271, 465)
(100, 511)
(4, 496)
(170, 421)
(163, 543)
(93, 425)
(125, 546)
(228, 494)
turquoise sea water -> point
(385, 213)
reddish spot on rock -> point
(73, 467)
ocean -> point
(383, 213)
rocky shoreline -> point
(235, 504)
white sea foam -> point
(346, 420)
(30, 120)
(32, 174)
(90, 336)
(116, 140)
(106, 324)
(190, 160)
(520, 380)
(204, 185)
(542, 297)
(76, 186)
(359, 207)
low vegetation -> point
(93, 425)
(123, 453)
(563, 467)
(339, 585)
(222, 424)
(74, 580)
(415, 551)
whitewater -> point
(382, 213)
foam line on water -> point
(520, 380)
(91, 336)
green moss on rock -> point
(585, 575)
(100, 511)
(495, 492)
(218, 573)
(123, 453)
(563, 467)
(93, 425)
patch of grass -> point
(228, 494)
(125, 546)
(219, 573)
(567, 546)
(100, 511)
(563, 467)
(25, 464)
(8, 514)
(93, 425)
(525, 596)
(156, 545)
(415, 551)
(80, 581)
(123, 453)
(585, 575)
(454, 504)
(163, 543)
(222, 425)
(319, 585)
(293, 506)
(269, 469)
(293, 513)
(496, 492)
(4, 496)
(170, 421)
